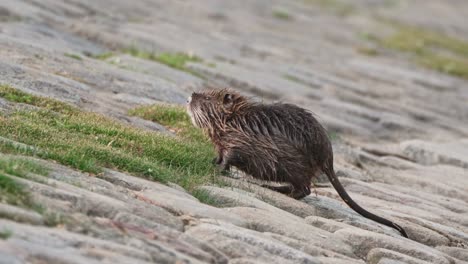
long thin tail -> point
(344, 195)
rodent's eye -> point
(207, 98)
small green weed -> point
(338, 7)
(103, 56)
(8, 146)
(367, 51)
(18, 96)
(429, 48)
(53, 219)
(177, 60)
(21, 166)
(174, 60)
(5, 234)
(294, 79)
(13, 193)
(334, 136)
(73, 56)
(419, 40)
(205, 197)
(281, 14)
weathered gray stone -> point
(330, 208)
(180, 204)
(335, 225)
(5, 106)
(457, 236)
(455, 252)
(309, 248)
(36, 241)
(346, 172)
(93, 203)
(246, 261)
(264, 221)
(377, 255)
(239, 243)
(278, 200)
(216, 256)
(453, 153)
(363, 241)
(7, 257)
(178, 77)
(232, 197)
(20, 215)
(138, 184)
(390, 261)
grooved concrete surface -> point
(402, 150)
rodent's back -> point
(278, 142)
(294, 124)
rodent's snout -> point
(189, 99)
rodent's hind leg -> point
(284, 189)
(301, 192)
(291, 191)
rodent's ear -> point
(227, 101)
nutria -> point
(273, 142)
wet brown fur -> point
(273, 142)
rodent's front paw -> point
(217, 160)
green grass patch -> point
(52, 218)
(174, 60)
(7, 17)
(211, 64)
(21, 166)
(102, 56)
(177, 60)
(449, 65)
(89, 141)
(295, 79)
(73, 56)
(419, 40)
(282, 14)
(338, 7)
(205, 197)
(334, 136)
(11, 147)
(5, 234)
(173, 117)
(18, 96)
(367, 51)
(430, 49)
(13, 193)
